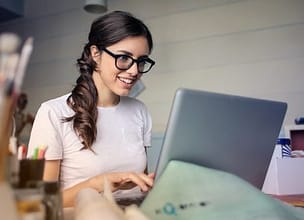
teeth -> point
(128, 81)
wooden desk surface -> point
(295, 200)
(68, 214)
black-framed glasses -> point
(124, 62)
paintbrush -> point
(9, 43)
(23, 61)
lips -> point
(127, 80)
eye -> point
(142, 64)
(124, 58)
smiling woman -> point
(97, 131)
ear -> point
(95, 53)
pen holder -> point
(30, 173)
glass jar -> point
(29, 203)
(53, 201)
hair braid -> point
(83, 100)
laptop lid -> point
(225, 132)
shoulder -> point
(56, 101)
(57, 105)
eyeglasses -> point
(124, 62)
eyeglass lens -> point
(124, 62)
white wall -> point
(245, 47)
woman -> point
(97, 131)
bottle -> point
(53, 201)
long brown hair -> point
(105, 31)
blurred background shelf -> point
(296, 135)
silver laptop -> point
(225, 132)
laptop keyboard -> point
(126, 199)
(123, 202)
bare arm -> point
(51, 173)
(119, 180)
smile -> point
(126, 80)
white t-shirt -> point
(122, 133)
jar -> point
(53, 201)
(29, 203)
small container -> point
(284, 143)
(53, 201)
(29, 203)
(30, 173)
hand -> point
(124, 180)
(129, 184)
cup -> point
(30, 173)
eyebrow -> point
(125, 52)
(130, 54)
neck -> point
(106, 97)
(109, 101)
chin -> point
(124, 93)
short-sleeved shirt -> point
(123, 131)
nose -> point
(133, 70)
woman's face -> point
(108, 78)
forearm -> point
(119, 180)
(69, 195)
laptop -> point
(225, 132)
(231, 133)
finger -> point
(146, 179)
(127, 185)
(142, 180)
(115, 180)
(122, 181)
(151, 175)
(149, 179)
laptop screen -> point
(226, 132)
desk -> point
(68, 213)
(295, 200)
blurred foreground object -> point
(95, 206)
(12, 68)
